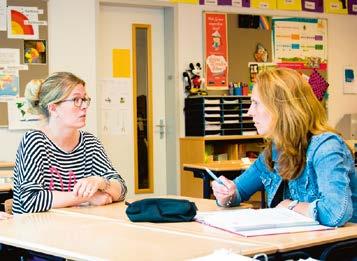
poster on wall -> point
(20, 118)
(22, 22)
(349, 79)
(216, 51)
(300, 43)
(35, 51)
(9, 86)
(2, 15)
(115, 105)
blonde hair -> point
(296, 116)
(54, 89)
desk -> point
(229, 168)
(282, 243)
(6, 179)
(295, 241)
(6, 165)
(88, 238)
(116, 211)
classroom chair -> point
(346, 250)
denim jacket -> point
(328, 181)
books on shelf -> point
(253, 222)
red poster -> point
(216, 54)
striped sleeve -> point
(29, 192)
(103, 167)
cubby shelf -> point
(218, 116)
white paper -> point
(9, 56)
(237, 3)
(115, 105)
(210, 2)
(212, 101)
(251, 222)
(2, 15)
(222, 254)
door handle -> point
(161, 127)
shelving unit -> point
(193, 150)
(218, 116)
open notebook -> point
(253, 222)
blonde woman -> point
(61, 165)
(306, 166)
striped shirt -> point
(41, 167)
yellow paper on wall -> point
(263, 4)
(121, 63)
(335, 6)
(185, 1)
(289, 5)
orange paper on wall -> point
(121, 63)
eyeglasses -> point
(78, 101)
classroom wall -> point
(72, 46)
(341, 41)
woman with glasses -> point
(60, 165)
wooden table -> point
(6, 165)
(296, 241)
(84, 237)
(6, 176)
(87, 238)
(116, 211)
(105, 233)
(282, 242)
(229, 168)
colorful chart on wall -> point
(300, 43)
(9, 86)
(22, 22)
(216, 52)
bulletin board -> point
(37, 69)
(242, 43)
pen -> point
(215, 177)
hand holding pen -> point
(223, 189)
